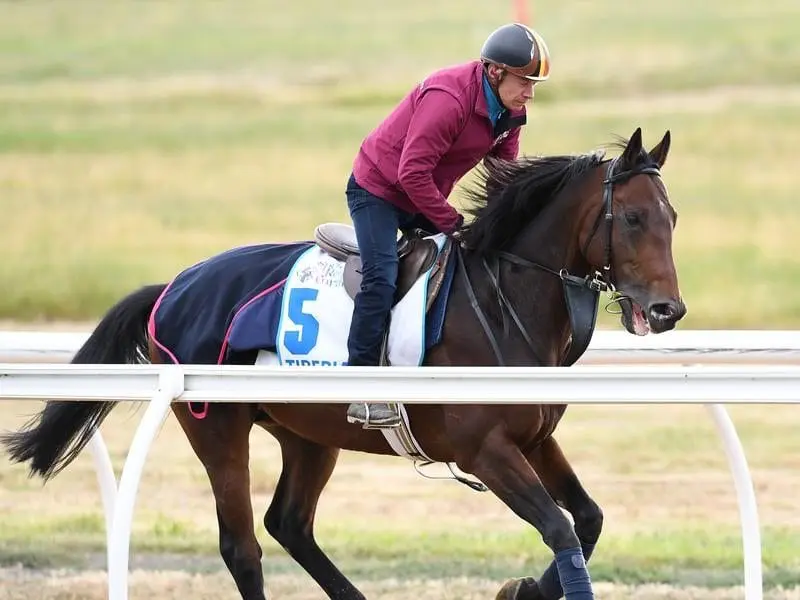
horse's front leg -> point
(505, 470)
(565, 488)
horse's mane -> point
(509, 195)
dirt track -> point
(16, 584)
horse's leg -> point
(505, 470)
(290, 518)
(565, 488)
(221, 442)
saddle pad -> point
(316, 313)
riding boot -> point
(375, 415)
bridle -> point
(581, 293)
(607, 214)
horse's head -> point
(531, 212)
(630, 238)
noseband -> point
(581, 293)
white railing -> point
(686, 346)
(583, 384)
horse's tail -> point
(54, 437)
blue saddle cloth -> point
(226, 307)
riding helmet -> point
(519, 50)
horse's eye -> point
(633, 218)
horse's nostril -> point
(663, 311)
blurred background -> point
(138, 137)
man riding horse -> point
(409, 163)
(548, 234)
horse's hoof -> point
(509, 590)
(520, 589)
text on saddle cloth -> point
(317, 310)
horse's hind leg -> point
(565, 488)
(290, 518)
(221, 442)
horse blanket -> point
(270, 298)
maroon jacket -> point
(437, 133)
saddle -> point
(417, 255)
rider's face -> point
(515, 91)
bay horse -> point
(543, 228)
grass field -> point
(671, 514)
(139, 137)
(136, 140)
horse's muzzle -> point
(663, 316)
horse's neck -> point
(536, 295)
(552, 239)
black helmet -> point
(518, 49)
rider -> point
(407, 166)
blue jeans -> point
(376, 223)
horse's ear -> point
(659, 153)
(630, 156)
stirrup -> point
(367, 422)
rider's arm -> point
(434, 127)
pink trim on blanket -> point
(224, 347)
(151, 331)
(151, 325)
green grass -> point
(660, 477)
(669, 46)
(676, 557)
(137, 138)
(103, 197)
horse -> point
(546, 233)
